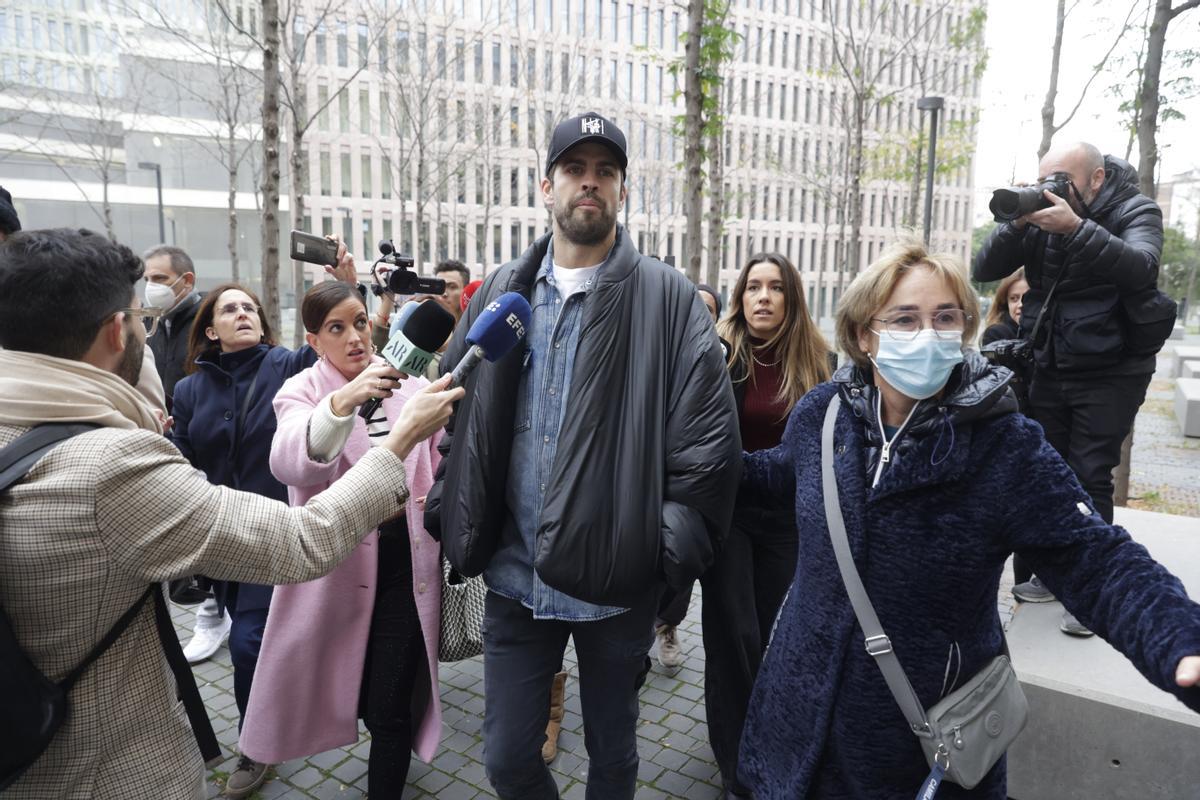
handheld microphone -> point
(401, 317)
(497, 329)
(411, 348)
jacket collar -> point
(230, 363)
(934, 445)
(622, 260)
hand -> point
(1058, 218)
(1188, 671)
(345, 270)
(166, 422)
(423, 415)
(377, 380)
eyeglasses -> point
(945, 323)
(151, 314)
(229, 309)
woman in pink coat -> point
(363, 640)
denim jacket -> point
(544, 389)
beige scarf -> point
(35, 388)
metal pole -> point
(162, 219)
(933, 105)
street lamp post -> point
(933, 105)
(162, 220)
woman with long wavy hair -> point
(776, 355)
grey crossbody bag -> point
(967, 731)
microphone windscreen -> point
(401, 316)
(429, 326)
(500, 325)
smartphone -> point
(314, 249)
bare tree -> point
(693, 138)
(1049, 126)
(867, 45)
(237, 86)
(82, 131)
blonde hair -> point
(870, 291)
(801, 347)
(999, 309)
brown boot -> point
(557, 690)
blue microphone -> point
(411, 348)
(497, 329)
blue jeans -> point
(521, 656)
(245, 642)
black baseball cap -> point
(589, 127)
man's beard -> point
(585, 231)
(130, 368)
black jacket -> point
(649, 455)
(170, 343)
(1106, 314)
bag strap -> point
(879, 646)
(23, 452)
(243, 411)
(114, 633)
(1037, 323)
(185, 680)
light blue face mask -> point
(919, 367)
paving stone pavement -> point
(676, 761)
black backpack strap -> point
(185, 681)
(113, 634)
(23, 452)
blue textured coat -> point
(206, 409)
(970, 484)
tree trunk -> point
(693, 146)
(296, 201)
(1048, 129)
(1148, 98)
(855, 198)
(107, 207)
(270, 166)
(231, 163)
(716, 206)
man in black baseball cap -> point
(9, 222)
(612, 463)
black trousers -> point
(395, 656)
(1086, 421)
(673, 607)
(742, 594)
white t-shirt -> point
(569, 281)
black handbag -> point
(34, 707)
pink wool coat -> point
(304, 699)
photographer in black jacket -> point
(1092, 258)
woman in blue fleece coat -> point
(936, 494)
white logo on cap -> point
(592, 126)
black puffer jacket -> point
(649, 456)
(170, 343)
(975, 391)
(1106, 314)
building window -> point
(345, 176)
(365, 175)
(343, 46)
(363, 47)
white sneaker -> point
(670, 655)
(207, 640)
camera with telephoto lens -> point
(1010, 204)
(402, 280)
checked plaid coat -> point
(100, 517)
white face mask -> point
(161, 295)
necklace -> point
(775, 363)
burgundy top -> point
(763, 417)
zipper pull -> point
(958, 740)
(885, 454)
